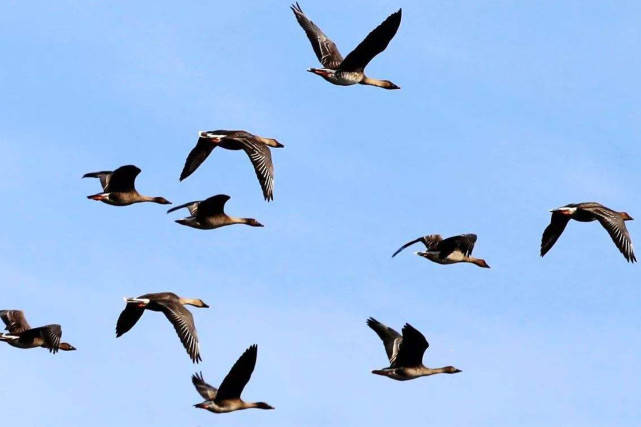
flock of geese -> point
(404, 351)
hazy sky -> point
(507, 109)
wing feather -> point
(205, 390)
(375, 42)
(324, 48)
(239, 375)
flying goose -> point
(118, 187)
(256, 147)
(227, 397)
(208, 214)
(612, 221)
(447, 251)
(349, 71)
(405, 353)
(173, 307)
(21, 335)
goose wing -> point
(261, 158)
(196, 156)
(430, 242)
(205, 390)
(104, 177)
(212, 206)
(374, 43)
(51, 335)
(239, 375)
(325, 49)
(192, 206)
(553, 231)
(183, 323)
(388, 335)
(411, 349)
(128, 318)
(614, 225)
(15, 321)
(122, 179)
(463, 243)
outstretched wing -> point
(387, 335)
(238, 377)
(553, 231)
(374, 43)
(463, 243)
(122, 179)
(183, 323)
(15, 321)
(50, 334)
(214, 205)
(412, 348)
(261, 159)
(430, 242)
(325, 49)
(614, 225)
(196, 156)
(128, 318)
(205, 390)
(192, 206)
(104, 177)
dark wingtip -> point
(184, 174)
(197, 377)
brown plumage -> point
(21, 335)
(351, 70)
(405, 353)
(447, 251)
(612, 221)
(227, 397)
(256, 147)
(208, 214)
(173, 307)
(118, 187)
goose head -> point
(66, 346)
(481, 263)
(253, 222)
(262, 405)
(161, 200)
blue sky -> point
(507, 109)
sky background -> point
(507, 109)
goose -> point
(349, 71)
(227, 397)
(173, 307)
(118, 187)
(256, 147)
(447, 251)
(405, 353)
(612, 221)
(208, 214)
(21, 335)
